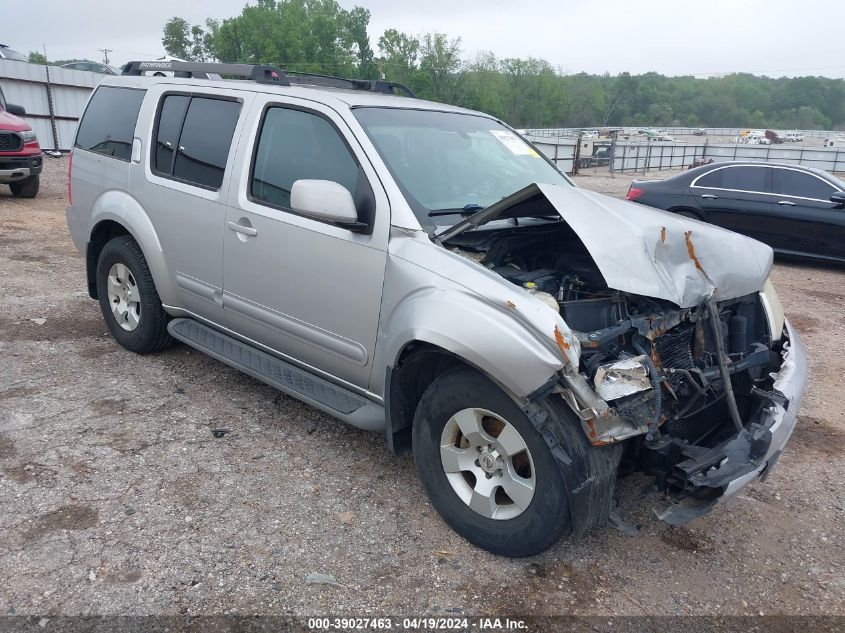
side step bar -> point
(303, 385)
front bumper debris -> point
(717, 474)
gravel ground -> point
(171, 484)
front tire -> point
(128, 298)
(486, 469)
(26, 188)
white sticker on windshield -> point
(513, 143)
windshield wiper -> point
(468, 209)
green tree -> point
(483, 87)
(197, 52)
(440, 59)
(660, 114)
(320, 36)
(399, 56)
(757, 119)
(356, 22)
(299, 35)
(35, 57)
(177, 38)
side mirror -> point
(838, 198)
(17, 110)
(323, 200)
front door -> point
(306, 288)
(806, 218)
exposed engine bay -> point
(681, 384)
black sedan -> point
(795, 210)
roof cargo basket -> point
(202, 70)
(265, 74)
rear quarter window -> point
(108, 125)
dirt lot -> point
(170, 484)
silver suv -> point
(421, 270)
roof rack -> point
(328, 81)
(262, 73)
(203, 70)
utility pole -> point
(105, 52)
(50, 104)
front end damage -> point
(671, 404)
(685, 358)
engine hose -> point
(654, 375)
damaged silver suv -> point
(421, 270)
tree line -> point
(319, 36)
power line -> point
(105, 52)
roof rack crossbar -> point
(260, 73)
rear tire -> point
(26, 188)
(527, 526)
(128, 298)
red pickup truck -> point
(20, 155)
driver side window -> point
(295, 145)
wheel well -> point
(418, 365)
(102, 233)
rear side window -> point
(752, 179)
(170, 121)
(789, 182)
(108, 125)
(192, 138)
(713, 179)
(298, 145)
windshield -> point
(450, 164)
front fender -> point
(471, 328)
(122, 208)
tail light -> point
(634, 193)
(69, 185)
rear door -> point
(811, 224)
(737, 197)
(184, 184)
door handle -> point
(240, 228)
(709, 196)
(786, 203)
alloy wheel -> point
(124, 297)
(487, 463)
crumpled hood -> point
(642, 250)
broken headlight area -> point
(666, 380)
(690, 391)
(670, 379)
